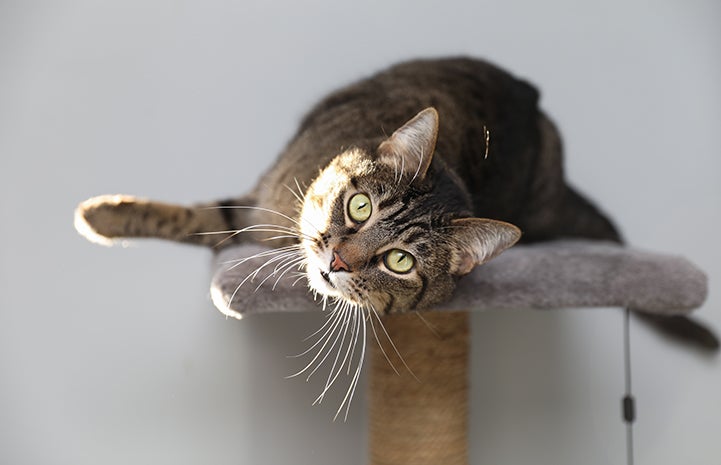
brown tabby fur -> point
(446, 187)
(496, 156)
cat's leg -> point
(106, 218)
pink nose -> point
(337, 264)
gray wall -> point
(116, 355)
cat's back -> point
(465, 91)
(473, 98)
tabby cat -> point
(473, 166)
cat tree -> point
(423, 423)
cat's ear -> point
(477, 240)
(409, 150)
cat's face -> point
(381, 228)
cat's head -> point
(391, 229)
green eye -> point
(359, 208)
(399, 261)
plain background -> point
(116, 355)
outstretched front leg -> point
(107, 218)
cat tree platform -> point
(550, 275)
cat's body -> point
(516, 178)
(486, 151)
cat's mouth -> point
(333, 284)
(324, 280)
(326, 276)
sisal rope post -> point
(423, 421)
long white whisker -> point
(252, 275)
(290, 232)
(300, 191)
(332, 375)
(275, 212)
(274, 229)
(270, 261)
(375, 312)
(283, 266)
(354, 382)
(327, 320)
(264, 253)
(287, 261)
(383, 351)
(332, 320)
(279, 255)
(295, 194)
(275, 238)
(356, 330)
(336, 320)
(352, 341)
(298, 264)
(346, 315)
(300, 277)
(428, 325)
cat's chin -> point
(318, 284)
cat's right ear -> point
(477, 240)
(409, 150)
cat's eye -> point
(399, 261)
(359, 208)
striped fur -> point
(446, 187)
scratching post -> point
(437, 352)
(426, 421)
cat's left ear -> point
(477, 240)
(409, 150)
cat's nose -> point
(337, 264)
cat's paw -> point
(103, 219)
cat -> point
(473, 165)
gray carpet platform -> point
(559, 274)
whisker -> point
(274, 228)
(433, 330)
(354, 382)
(275, 238)
(263, 254)
(286, 261)
(331, 377)
(299, 264)
(295, 194)
(326, 337)
(352, 342)
(324, 301)
(302, 275)
(252, 275)
(268, 210)
(328, 320)
(208, 233)
(300, 191)
(331, 320)
(375, 312)
(337, 320)
(281, 256)
(354, 334)
(285, 265)
(346, 316)
(291, 232)
(383, 351)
